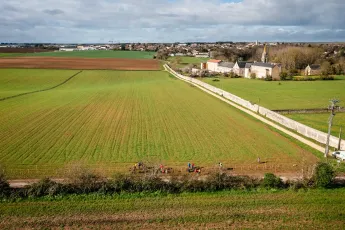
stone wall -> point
(276, 117)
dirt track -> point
(79, 63)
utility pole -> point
(339, 139)
(332, 107)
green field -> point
(187, 60)
(285, 94)
(10, 55)
(313, 209)
(17, 81)
(115, 118)
(96, 54)
(320, 121)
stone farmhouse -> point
(312, 70)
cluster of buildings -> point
(245, 69)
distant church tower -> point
(264, 57)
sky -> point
(101, 21)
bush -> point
(283, 76)
(268, 78)
(326, 77)
(43, 188)
(216, 79)
(323, 175)
(272, 181)
(5, 189)
(253, 75)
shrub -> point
(272, 181)
(44, 187)
(253, 75)
(283, 76)
(226, 74)
(268, 78)
(5, 189)
(216, 79)
(326, 77)
(323, 175)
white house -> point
(212, 65)
(239, 68)
(262, 70)
(219, 66)
(67, 49)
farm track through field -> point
(41, 90)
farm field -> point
(9, 55)
(313, 209)
(79, 63)
(187, 60)
(285, 94)
(111, 119)
(97, 54)
(17, 81)
(320, 121)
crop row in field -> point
(285, 94)
(315, 209)
(110, 117)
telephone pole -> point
(332, 107)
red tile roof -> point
(214, 60)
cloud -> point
(53, 12)
(171, 20)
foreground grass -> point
(111, 119)
(320, 121)
(97, 54)
(312, 209)
(285, 94)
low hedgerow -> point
(86, 182)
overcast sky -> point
(82, 21)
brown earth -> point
(24, 50)
(79, 63)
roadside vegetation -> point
(220, 200)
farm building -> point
(239, 68)
(312, 70)
(217, 66)
(262, 70)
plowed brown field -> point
(79, 63)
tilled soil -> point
(79, 63)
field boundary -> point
(254, 109)
(41, 90)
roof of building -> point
(261, 64)
(242, 64)
(214, 60)
(248, 65)
(227, 64)
(314, 66)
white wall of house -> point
(211, 66)
(247, 72)
(223, 69)
(260, 71)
